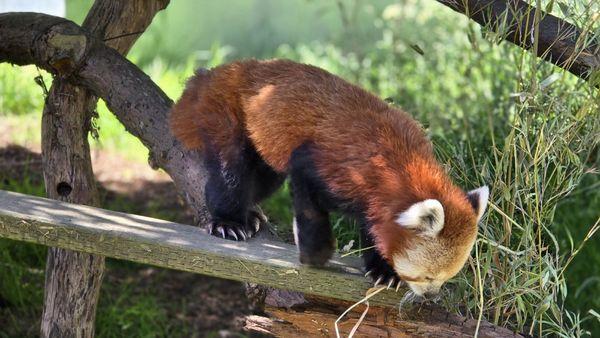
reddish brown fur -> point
(367, 151)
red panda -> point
(258, 122)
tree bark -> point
(317, 317)
(73, 279)
(559, 42)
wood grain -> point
(317, 319)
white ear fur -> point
(479, 200)
(427, 216)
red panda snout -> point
(428, 264)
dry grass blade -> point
(370, 293)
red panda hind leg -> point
(236, 183)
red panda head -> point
(429, 241)
(437, 251)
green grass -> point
(574, 215)
(496, 115)
(123, 309)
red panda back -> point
(280, 104)
(209, 109)
(183, 115)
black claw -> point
(236, 231)
(379, 269)
(390, 283)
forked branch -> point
(67, 51)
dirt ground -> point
(211, 304)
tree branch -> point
(559, 42)
(73, 279)
(67, 51)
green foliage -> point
(573, 217)
(128, 313)
(20, 95)
(21, 286)
(253, 28)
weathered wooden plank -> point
(177, 246)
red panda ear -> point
(479, 200)
(426, 216)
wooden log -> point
(73, 279)
(319, 316)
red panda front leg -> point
(312, 231)
(377, 268)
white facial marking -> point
(427, 216)
(406, 268)
(421, 289)
(413, 265)
(483, 194)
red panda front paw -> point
(316, 256)
(381, 272)
(384, 279)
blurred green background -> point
(496, 115)
(249, 28)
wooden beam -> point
(180, 247)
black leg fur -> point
(234, 187)
(266, 180)
(312, 230)
(314, 238)
(377, 268)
